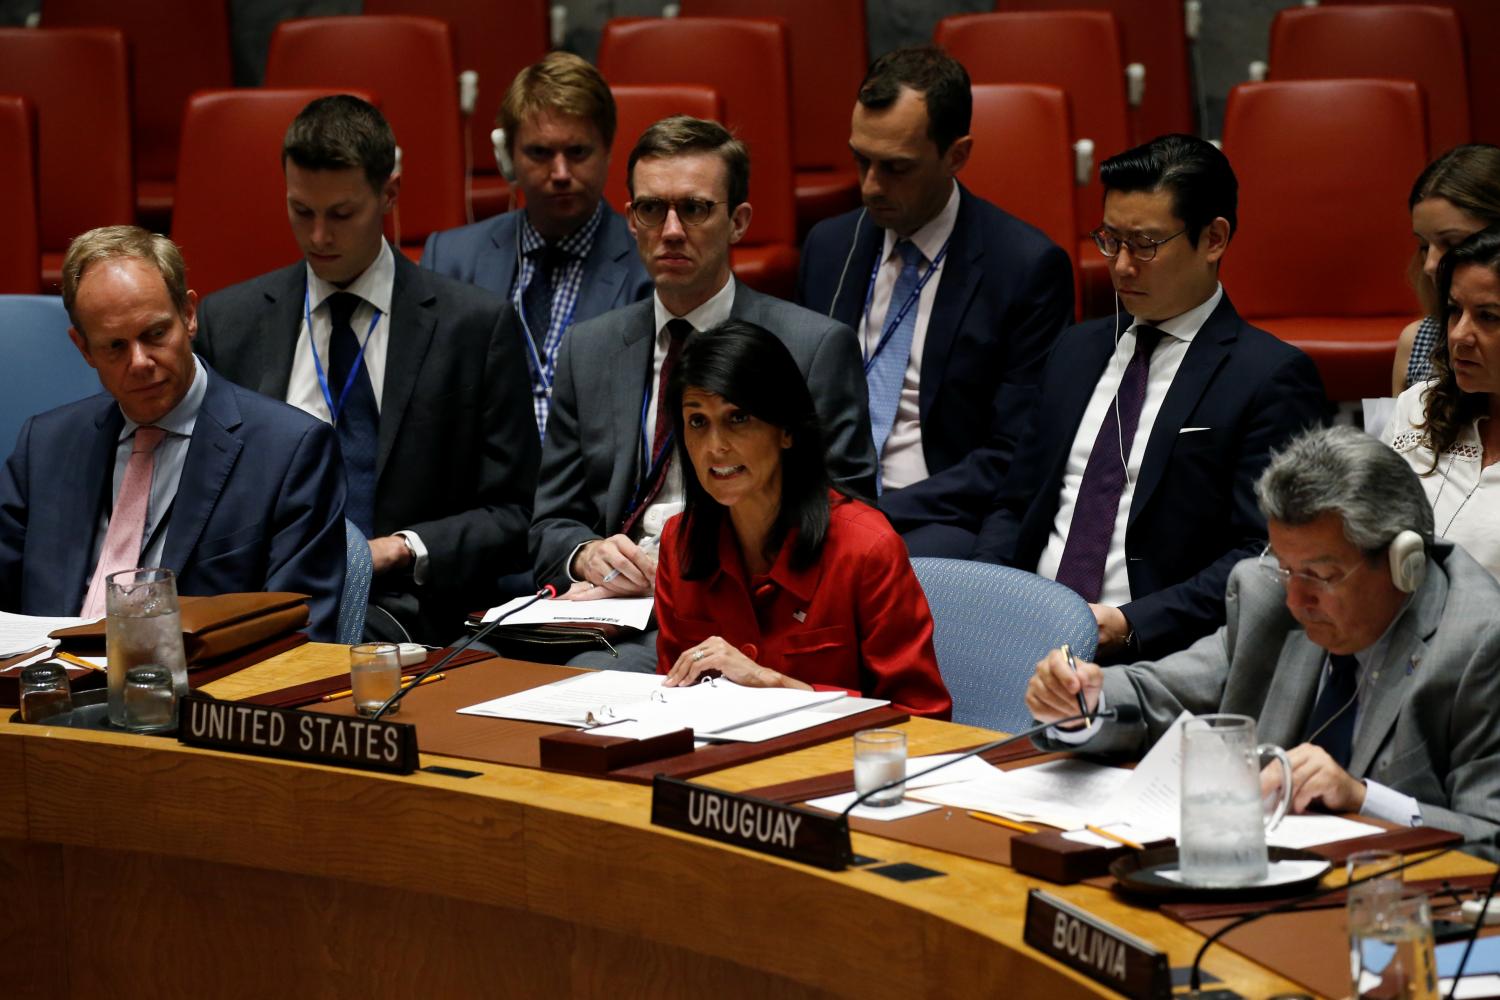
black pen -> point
(1083, 706)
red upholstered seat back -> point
(19, 251)
(637, 107)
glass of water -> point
(142, 625)
(375, 675)
(1390, 947)
(880, 758)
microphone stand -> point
(469, 640)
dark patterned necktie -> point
(358, 417)
(537, 298)
(1093, 526)
(677, 331)
(1334, 703)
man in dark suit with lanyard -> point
(420, 374)
(955, 301)
(1135, 485)
(566, 256)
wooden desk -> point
(139, 867)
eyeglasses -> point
(1272, 567)
(652, 212)
(1142, 248)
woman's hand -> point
(717, 657)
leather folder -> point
(213, 628)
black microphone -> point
(467, 641)
(1123, 714)
(1195, 979)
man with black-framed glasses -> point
(1355, 640)
(1134, 484)
(608, 482)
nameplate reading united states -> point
(752, 823)
(342, 740)
(1097, 949)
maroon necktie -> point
(1093, 526)
(677, 330)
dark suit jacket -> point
(260, 505)
(484, 254)
(1005, 292)
(591, 461)
(458, 445)
(1193, 514)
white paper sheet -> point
(1151, 798)
(838, 803)
(631, 612)
(968, 769)
(1057, 793)
(570, 702)
(795, 722)
(22, 633)
(1311, 830)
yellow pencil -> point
(1115, 837)
(77, 661)
(1009, 824)
(345, 694)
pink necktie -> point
(122, 542)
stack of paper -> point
(23, 633)
(628, 612)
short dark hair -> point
(938, 77)
(1194, 171)
(751, 368)
(339, 132)
(681, 134)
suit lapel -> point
(211, 455)
(413, 320)
(604, 270)
(281, 323)
(1204, 356)
(1388, 684)
(963, 268)
(627, 371)
(497, 264)
(867, 240)
(1293, 689)
(87, 487)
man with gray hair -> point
(1355, 640)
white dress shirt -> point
(1165, 360)
(902, 462)
(374, 290)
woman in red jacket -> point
(768, 577)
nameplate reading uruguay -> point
(343, 740)
(751, 823)
(1097, 949)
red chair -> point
(409, 62)
(745, 61)
(639, 107)
(497, 43)
(1404, 42)
(1320, 258)
(830, 53)
(1154, 35)
(1078, 51)
(76, 79)
(231, 219)
(19, 251)
(1023, 158)
(176, 47)
(1480, 20)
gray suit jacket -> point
(484, 254)
(592, 456)
(1429, 717)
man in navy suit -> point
(955, 301)
(1135, 485)
(567, 256)
(174, 467)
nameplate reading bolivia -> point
(343, 740)
(751, 823)
(1097, 949)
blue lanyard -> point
(545, 371)
(906, 307)
(334, 411)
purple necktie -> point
(1082, 565)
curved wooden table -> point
(139, 867)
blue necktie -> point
(359, 419)
(1331, 725)
(888, 372)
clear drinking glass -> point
(1223, 837)
(375, 675)
(45, 692)
(150, 702)
(1390, 947)
(880, 757)
(142, 626)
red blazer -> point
(856, 620)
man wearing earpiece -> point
(1134, 485)
(1355, 640)
(419, 374)
(567, 256)
(955, 301)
